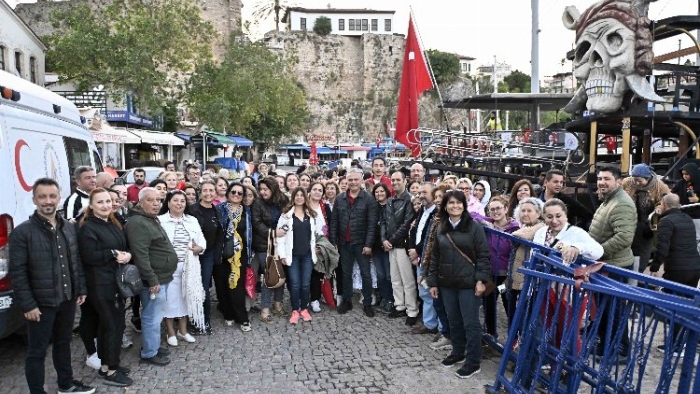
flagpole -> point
(430, 68)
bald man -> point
(104, 180)
(418, 172)
(676, 248)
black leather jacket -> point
(360, 217)
(34, 263)
(398, 217)
(447, 266)
(676, 248)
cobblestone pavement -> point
(332, 354)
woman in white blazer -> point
(297, 249)
(559, 234)
(185, 295)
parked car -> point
(151, 174)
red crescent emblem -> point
(18, 168)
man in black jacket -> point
(399, 215)
(48, 282)
(676, 248)
(353, 224)
(554, 183)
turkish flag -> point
(415, 79)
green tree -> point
(249, 93)
(515, 82)
(322, 26)
(445, 66)
(484, 81)
(142, 47)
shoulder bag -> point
(129, 280)
(274, 272)
(489, 285)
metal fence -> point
(583, 327)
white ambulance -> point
(41, 135)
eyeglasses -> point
(465, 188)
(495, 209)
(236, 192)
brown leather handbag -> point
(489, 284)
(274, 272)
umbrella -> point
(313, 158)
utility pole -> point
(535, 51)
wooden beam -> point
(675, 55)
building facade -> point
(502, 71)
(345, 22)
(466, 64)
(21, 50)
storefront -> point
(152, 146)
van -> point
(41, 135)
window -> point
(365, 26)
(387, 24)
(32, 69)
(18, 62)
(98, 161)
(351, 24)
(302, 24)
(2, 57)
(358, 24)
(375, 25)
(341, 24)
(78, 154)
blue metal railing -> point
(574, 330)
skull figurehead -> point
(613, 54)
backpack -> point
(129, 280)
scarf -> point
(234, 218)
(192, 289)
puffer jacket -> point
(447, 266)
(500, 248)
(398, 215)
(96, 240)
(264, 217)
(682, 187)
(33, 263)
(676, 249)
(613, 226)
(360, 217)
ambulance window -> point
(98, 161)
(78, 153)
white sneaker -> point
(229, 322)
(338, 299)
(315, 306)
(187, 337)
(93, 361)
(172, 341)
(441, 344)
(126, 341)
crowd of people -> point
(422, 241)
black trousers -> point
(231, 301)
(55, 323)
(110, 311)
(316, 281)
(688, 278)
(617, 322)
(89, 325)
(490, 305)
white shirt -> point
(454, 224)
(422, 221)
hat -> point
(642, 171)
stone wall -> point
(351, 83)
(225, 15)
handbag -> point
(274, 272)
(250, 282)
(129, 281)
(229, 248)
(489, 285)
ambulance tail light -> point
(6, 226)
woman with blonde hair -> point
(474, 206)
(170, 178)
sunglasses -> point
(236, 192)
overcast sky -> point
(487, 28)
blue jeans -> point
(300, 281)
(462, 306)
(348, 255)
(207, 263)
(151, 318)
(267, 294)
(443, 321)
(381, 265)
(430, 317)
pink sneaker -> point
(305, 315)
(294, 319)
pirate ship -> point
(641, 103)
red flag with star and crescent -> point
(415, 79)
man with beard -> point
(553, 185)
(132, 192)
(48, 283)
